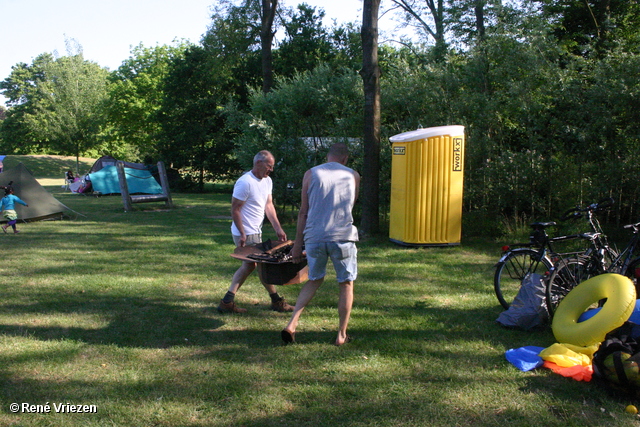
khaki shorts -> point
(252, 239)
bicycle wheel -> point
(512, 268)
(566, 275)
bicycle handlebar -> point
(635, 227)
(605, 203)
(594, 207)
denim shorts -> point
(344, 256)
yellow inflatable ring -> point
(621, 299)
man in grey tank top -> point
(325, 224)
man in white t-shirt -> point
(250, 203)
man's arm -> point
(356, 175)
(296, 251)
(236, 216)
(272, 216)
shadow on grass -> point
(448, 351)
(159, 323)
(131, 322)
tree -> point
(306, 43)
(21, 90)
(136, 95)
(247, 30)
(470, 20)
(193, 125)
(428, 16)
(266, 42)
(72, 102)
(370, 221)
(57, 104)
(233, 42)
(593, 27)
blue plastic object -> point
(525, 358)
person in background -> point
(325, 224)
(251, 201)
(7, 206)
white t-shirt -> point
(254, 193)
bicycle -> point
(600, 258)
(535, 257)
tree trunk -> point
(266, 41)
(479, 13)
(370, 73)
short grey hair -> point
(262, 156)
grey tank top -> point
(332, 193)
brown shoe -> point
(281, 306)
(230, 307)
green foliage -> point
(21, 90)
(297, 122)
(57, 105)
(136, 93)
(194, 134)
(592, 28)
(306, 43)
(409, 91)
(71, 104)
(232, 44)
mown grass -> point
(117, 310)
(50, 167)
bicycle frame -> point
(536, 256)
(540, 242)
(623, 260)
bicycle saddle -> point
(542, 224)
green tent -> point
(42, 205)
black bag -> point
(617, 360)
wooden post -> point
(124, 188)
(164, 182)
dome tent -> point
(104, 177)
(139, 181)
(105, 161)
(42, 205)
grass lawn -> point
(117, 310)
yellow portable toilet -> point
(426, 186)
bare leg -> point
(270, 288)
(307, 292)
(241, 275)
(344, 310)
